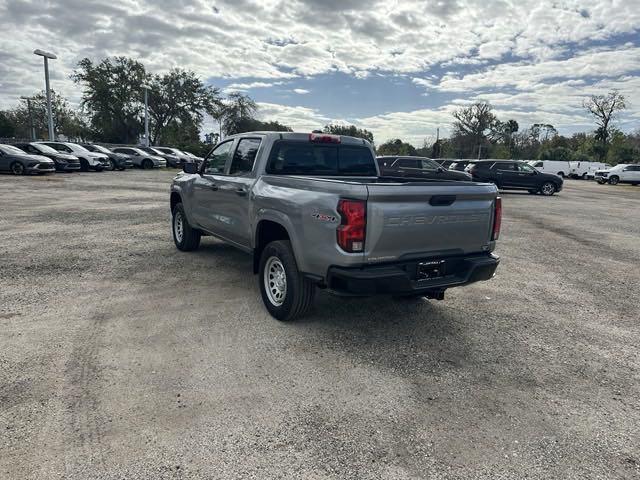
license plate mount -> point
(430, 270)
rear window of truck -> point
(302, 158)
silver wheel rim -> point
(547, 189)
(614, 181)
(17, 169)
(275, 281)
(178, 226)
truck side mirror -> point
(190, 167)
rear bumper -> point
(402, 278)
(123, 163)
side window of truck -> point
(218, 158)
(505, 167)
(408, 163)
(245, 156)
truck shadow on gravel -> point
(402, 335)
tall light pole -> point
(47, 56)
(146, 113)
(32, 130)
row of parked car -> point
(506, 174)
(43, 157)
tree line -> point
(112, 111)
(478, 133)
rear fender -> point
(284, 221)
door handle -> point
(241, 191)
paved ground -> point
(121, 357)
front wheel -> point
(548, 189)
(84, 165)
(614, 180)
(286, 293)
(147, 164)
(112, 165)
(185, 236)
(17, 168)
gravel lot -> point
(121, 357)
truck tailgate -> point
(422, 220)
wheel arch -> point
(269, 229)
(175, 199)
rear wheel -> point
(286, 293)
(17, 168)
(185, 236)
(112, 165)
(614, 180)
(147, 164)
(548, 189)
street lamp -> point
(47, 56)
(146, 113)
(31, 127)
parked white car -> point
(88, 160)
(556, 167)
(623, 173)
(586, 170)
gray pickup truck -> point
(314, 211)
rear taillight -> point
(497, 219)
(352, 228)
(324, 138)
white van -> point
(555, 167)
(586, 170)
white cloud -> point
(243, 87)
(301, 119)
(300, 91)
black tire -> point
(112, 165)
(299, 291)
(614, 180)
(548, 188)
(601, 182)
(187, 238)
(84, 165)
(18, 168)
(122, 169)
(147, 164)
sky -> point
(397, 68)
